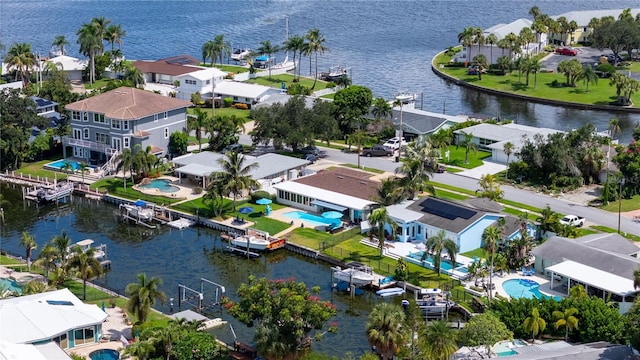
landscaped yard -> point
(626, 205)
(239, 113)
(115, 186)
(35, 169)
(276, 81)
(456, 157)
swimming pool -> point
(9, 285)
(163, 185)
(57, 165)
(525, 288)
(104, 354)
(506, 347)
(444, 264)
(314, 219)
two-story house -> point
(103, 125)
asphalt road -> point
(539, 200)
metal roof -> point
(594, 277)
(502, 30)
(241, 89)
(333, 197)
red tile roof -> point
(125, 103)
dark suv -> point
(232, 148)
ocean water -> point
(387, 44)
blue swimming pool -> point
(9, 285)
(163, 185)
(525, 288)
(444, 264)
(57, 165)
(104, 354)
(314, 219)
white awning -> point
(364, 226)
(328, 205)
(594, 277)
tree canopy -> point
(484, 329)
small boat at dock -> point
(240, 54)
(393, 291)
(45, 194)
(138, 211)
(355, 276)
(256, 240)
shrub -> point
(298, 89)
(331, 85)
(197, 190)
(240, 106)
(260, 194)
(228, 102)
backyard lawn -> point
(239, 113)
(115, 186)
(276, 81)
(35, 169)
(456, 157)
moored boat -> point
(138, 212)
(393, 291)
(257, 241)
(353, 275)
(57, 192)
(240, 54)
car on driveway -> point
(567, 51)
(394, 143)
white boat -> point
(433, 300)
(240, 54)
(58, 191)
(352, 275)
(257, 241)
(138, 212)
(394, 291)
(100, 252)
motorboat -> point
(353, 275)
(334, 73)
(433, 300)
(257, 241)
(393, 291)
(240, 54)
(138, 212)
(100, 251)
(57, 192)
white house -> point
(199, 81)
(245, 93)
(70, 65)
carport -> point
(196, 170)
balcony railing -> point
(92, 145)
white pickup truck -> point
(573, 220)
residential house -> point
(73, 67)
(348, 191)
(416, 122)
(492, 137)
(104, 125)
(53, 317)
(244, 93)
(582, 18)
(603, 263)
(272, 168)
(47, 109)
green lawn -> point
(115, 186)
(239, 113)
(372, 170)
(35, 169)
(599, 93)
(276, 81)
(631, 237)
(626, 205)
(479, 253)
(512, 211)
(456, 157)
(450, 195)
(439, 186)
(97, 84)
(272, 226)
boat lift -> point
(196, 299)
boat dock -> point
(181, 223)
(241, 251)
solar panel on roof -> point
(446, 210)
(179, 60)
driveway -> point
(488, 167)
(586, 55)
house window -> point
(85, 133)
(189, 82)
(155, 117)
(125, 142)
(99, 118)
(83, 336)
(235, 98)
(166, 133)
(85, 116)
(102, 138)
(75, 115)
(62, 341)
(115, 124)
(125, 125)
(247, 100)
(166, 115)
(77, 134)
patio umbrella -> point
(263, 201)
(140, 203)
(245, 210)
(332, 214)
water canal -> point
(180, 257)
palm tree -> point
(20, 58)
(143, 295)
(480, 62)
(534, 323)
(29, 243)
(84, 265)
(466, 39)
(83, 167)
(90, 41)
(381, 109)
(491, 39)
(567, 319)
(385, 329)
(266, 48)
(467, 143)
(114, 34)
(209, 52)
(549, 221)
(133, 74)
(359, 138)
(504, 63)
(508, 148)
(614, 127)
(316, 46)
(221, 47)
(438, 244)
(378, 219)
(197, 122)
(439, 340)
(588, 75)
(389, 192)
(125, 163)
(235, 176)
(62, 243)
(578, 292)
(415, 177)
(47, 258)
(295, 44)
(491, 236)
(478, 38)
(60, 41)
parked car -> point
(232, 148)
(377, 150)
(310, 158)
(394, 143)
(436, 168)
(567, 51)
(573, 220)
(612, 58)
(312, 149)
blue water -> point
(10, 285)
(314, 219)
(444, 264)
(387, 44)
(104, 354)
(162, 185)
(524, 288)
(60, 163)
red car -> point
(567, 51)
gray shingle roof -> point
(558, 249)
(614, 243)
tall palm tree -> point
(90, 41)
(439, 340)
(491, 39)
(316, 46)
(378, 219)
(143, 295)
(467, 143)
(491, 237)
(47, 258)
(567, 319)
(83, 167)
(114, 34)
(221, 46)
(415, 177)
(614, 127)
(438, 244)
(60, 42)
(235, 176)
(466, 39)
(385, 329)
(21, 58)
(381, 109)
(508, 148)
(197, 122)
(295, 44)
(266, 48)
(125, 163)
(62, 243)
(588, 75)
(29, 243)
(83, 265)
(534, 323)
(478, 38)
(389, 192)
(209, 52)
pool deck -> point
(545, 283)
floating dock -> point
(181, 223)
